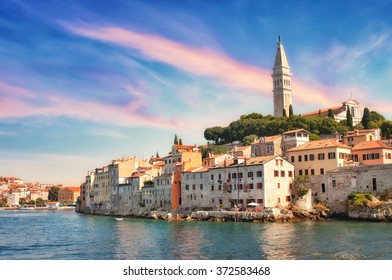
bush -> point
(299, 185)
(360, 199)
(386, 195)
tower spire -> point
(281, 78)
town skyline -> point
(83, 83)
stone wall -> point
(339, 183)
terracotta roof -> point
(72, 189)
(323, 111)
(267, 139)
(360, 132)
(319, 144)
(295, 130)
(366, 145)
(196, 169)
(259, 160)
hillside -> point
(256, 125)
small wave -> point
(348, 256)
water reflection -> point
(276, 241)
(186, 241)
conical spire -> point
(280, 58)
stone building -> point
(317, 157)
(340, 112)
(266, 181)
(281, 80)
(334, 187)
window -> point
(240, 175)
(251, 186)
(201, 186)
(278, 199)
(194, 187)
(331, 155)
(292, 158)
(323, 187)
(260, 201)
(300, 172)
(278, 185)
(277, 162)
(250, 174)
(306, 172)
(291, 186)
(371, 156)
(342, 156)
(322, 171)
(299, 158)
(234, 175)
(388, 155)
(276, 173)
(333, 183)
(259, 173)
(212, 187)
(288, 198)
(220, 187)
(311, 171)
(374, 183)
(282, 173)
(212, 176)
(259, 185)
(321, 156)
(306, 157)
(311, 157)
(187, 187)
(290, 174)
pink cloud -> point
(205, 62)
(127, 115)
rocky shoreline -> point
(267, 215)
(372, 214)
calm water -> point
(68, 235)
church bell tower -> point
(281, 79)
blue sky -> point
(83, 82)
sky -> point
(84, 82)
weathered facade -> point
(334, 187)
(266, 181)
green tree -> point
(213, 149)
(3, 202)
(180, 142)
(388, 133)
(214, 134)
(22, 201)
(314, 137)
(249, 139)
(53, 193)
(39, 201)
(366, 118)
(284, 113)
(291, 112)
(319, 113)
(175, 139)
(349, 118)
(330, 114)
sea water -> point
(62, 235)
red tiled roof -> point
(367, 145)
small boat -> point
(119, 219)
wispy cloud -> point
(107, 133)
(342, 57)
(52, 105)
(203, 62)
